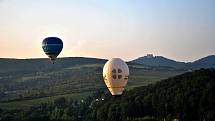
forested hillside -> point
(187, 97)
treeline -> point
(187, 97)
(61, 109)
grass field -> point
(24, 104)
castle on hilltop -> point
(149, 55)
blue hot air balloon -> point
(52, 46)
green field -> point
(24, 104)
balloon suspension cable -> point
(52, 61)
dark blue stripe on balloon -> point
(52, 40)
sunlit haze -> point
(183, 30)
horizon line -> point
(103, 58)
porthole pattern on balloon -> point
(117, 74)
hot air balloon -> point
(115, 75)
(52, 46)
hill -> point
(160, 61)
(206, 62)
(25, 66)
(187, 97)
(26, 82)
(34, 78)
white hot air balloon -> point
(115, 75)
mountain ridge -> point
(148, 60)
(205, 62)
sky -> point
(183, 30)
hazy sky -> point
(179, 29)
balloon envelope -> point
(115, 74)
(52, 46)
